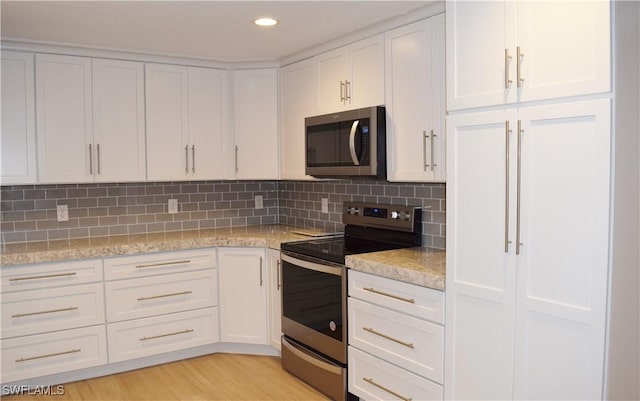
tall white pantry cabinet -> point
(527, 199)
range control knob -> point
(353, 210)
(394, 215)
(405, 216)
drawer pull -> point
(386, 294)
(177, 262)
(45, 312)
(395, 340)
(45, 276)
(381, 387)
(167, 335)
(165, 295)
(73, 351)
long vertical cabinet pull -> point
(98, 152)
(278, 263)
(90, 160)
(236, 158)
(507, 59)
(432, 138)
(347, 91)
(519, 57)
(507, 132)
(193, 159)
(186, 159)
(342, 92)
(518, 243)
(261, 271)
(424, 149)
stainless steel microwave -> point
(347, 144)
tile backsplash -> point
(97, 210)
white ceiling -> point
(215, 30)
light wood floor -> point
(212, 377)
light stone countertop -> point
(421, 266)
(258, 236)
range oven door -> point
(314, 306)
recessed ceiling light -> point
(265, 21)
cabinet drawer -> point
(371, 378)
(45, 275)
(149, 296)
(62, 308)
(46, 354)
(158, 263)
(155, 335)
(411, 299)
(411, 343)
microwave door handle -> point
(352, 143)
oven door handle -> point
(336, 271)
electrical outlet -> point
(63, 212)
(325, 205)
(259, 202)
(173, 206)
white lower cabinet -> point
(159, 334)
(396, 344)
(274, 276)
(243, 295)
(164, 302)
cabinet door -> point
(415, 136)
(256, 124)
(275, 297)
(478, 33)
(243, 295)
(64, 119)
(297, 91)
(18, 134)
(480, 294)
(118, 120)
(563, 262)
(566, 48)
(167, 122)
(366, 73)
(331, 77)
(207, 123)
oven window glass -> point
(313, 299)
(328, 144)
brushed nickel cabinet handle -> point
(236, 158)
(98, 152)
(90, 160)
(278, 263)
(432, 163)
(166, 335)
(186, 159)
(507, 132)
(386, 294)
(507, 59)
(519, 57)
(347, 91)
(261, 271)
(342, 91)
(48, 355)
(45, 312)
(193, 159)
(165, 295)
(395, 340)
(43, 276)
(383, 388)
(177, 262)
(518, 243)
(424, 149)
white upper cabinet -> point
(64, 119)
(186, 122)
(118, 120)
(514, 51)
(351, 77)
(255, 124)
(297, 101)
(90, 120)
(415, 85)
(18, 134)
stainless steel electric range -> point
(314, 290)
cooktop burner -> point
(369, 228)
